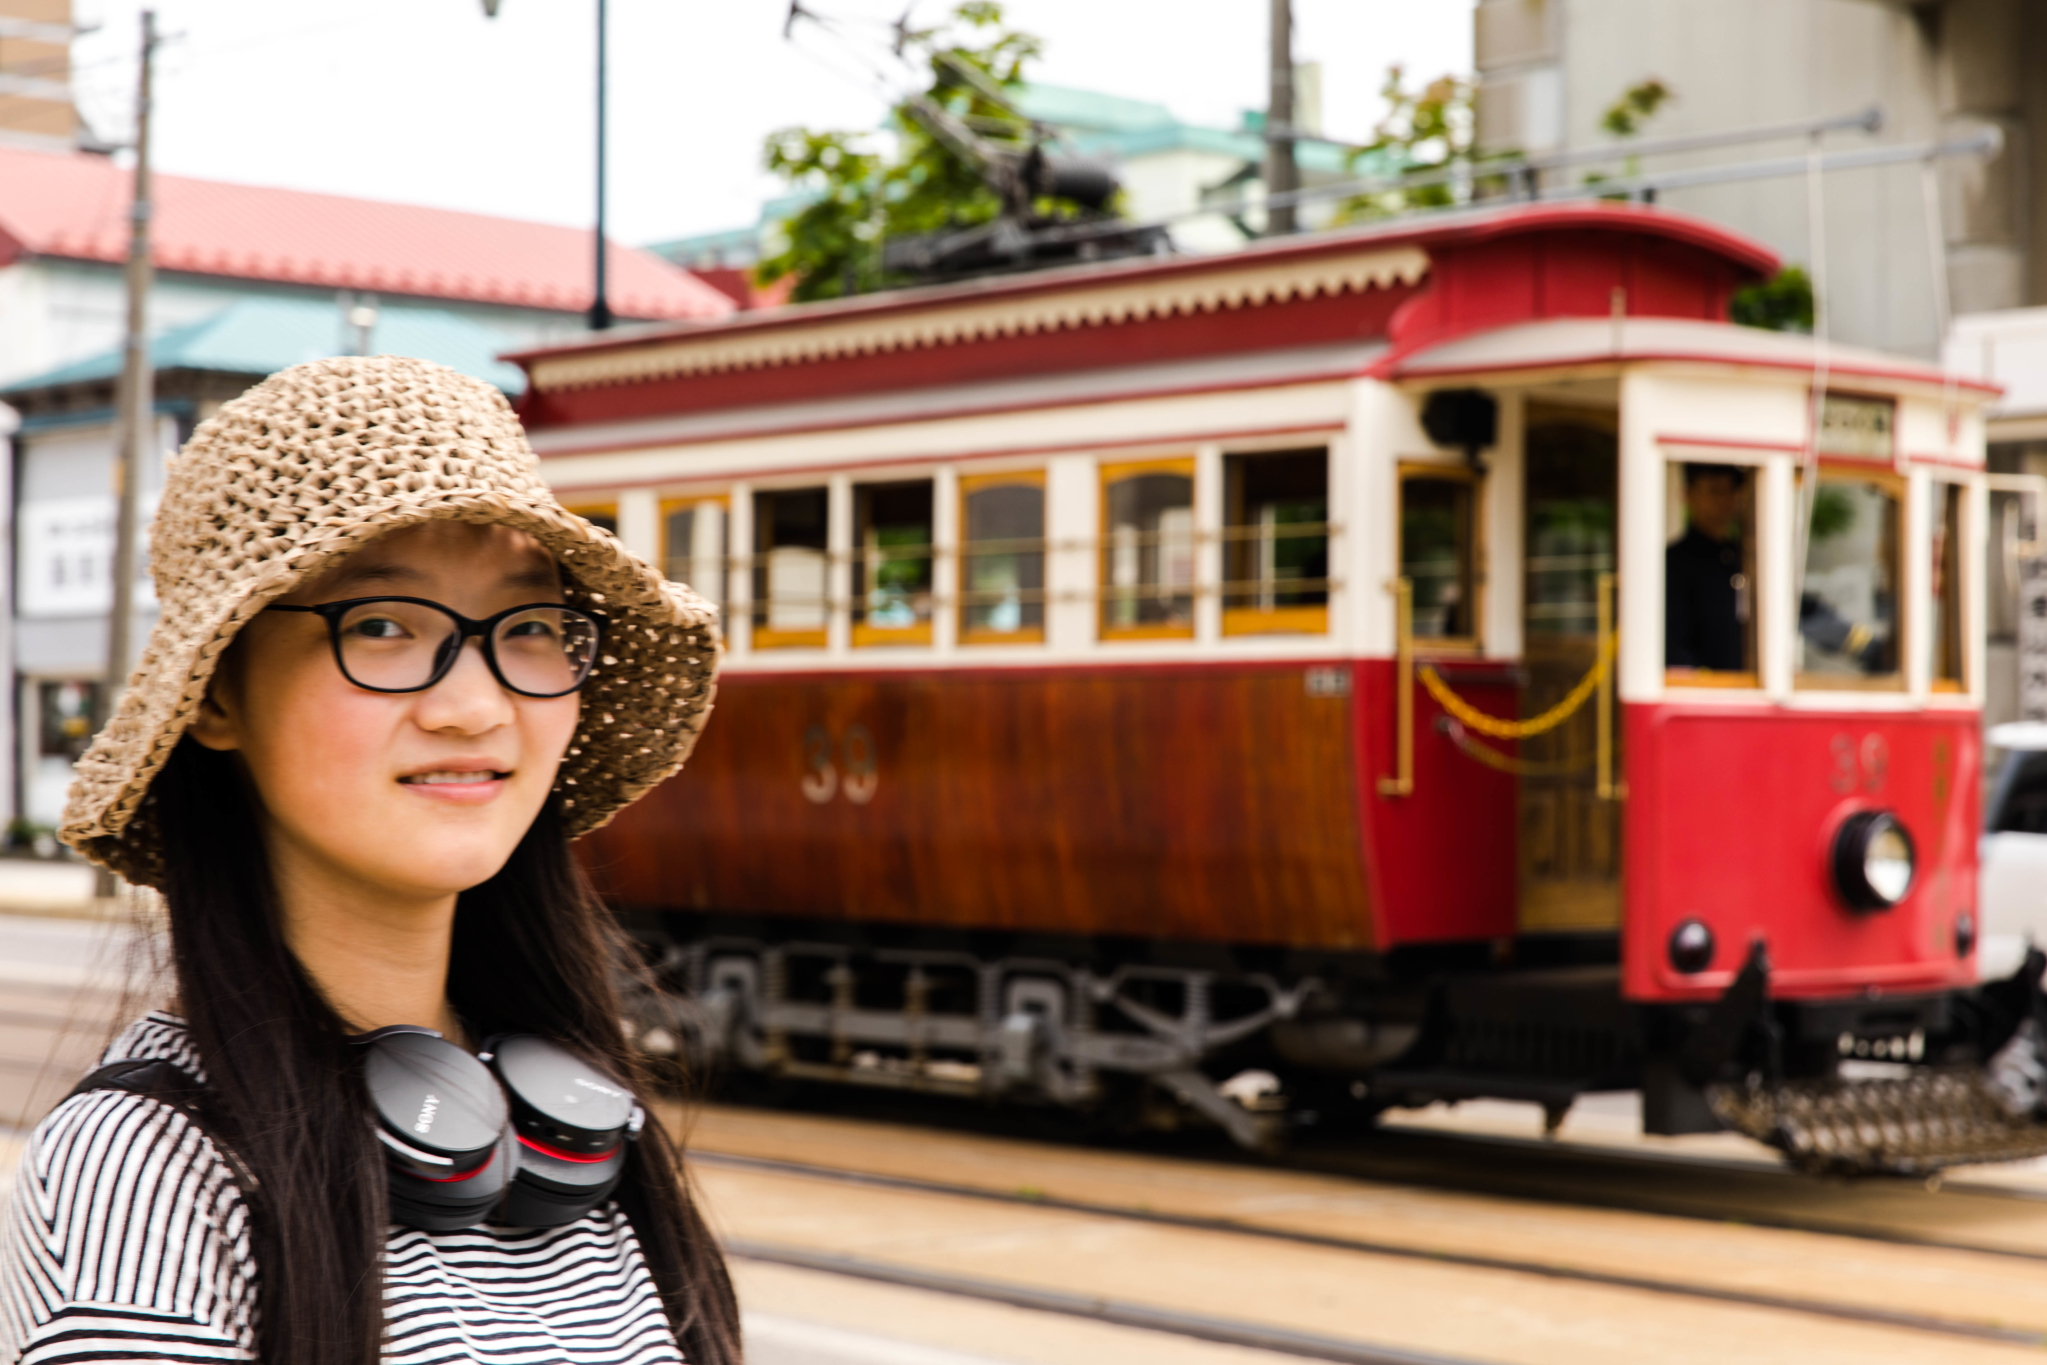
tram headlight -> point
(1873, 860)
(1691, 947)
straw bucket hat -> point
(311, 464)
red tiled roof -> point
(76, 205)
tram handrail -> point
(1226, 588)
(1598, 681)
(1402, 781)
(1608, 788)
(1036, 545)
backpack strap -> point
(174, 1087)
(149, 1076)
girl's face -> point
(408, 796)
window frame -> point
(760, 635)
(1108, 474)
(1718, 679)
(1940, 484)
(1449, 646)
(862, 634)
(690, 502)
(969, 484)
(1899, 487)
(589, 509)
(1309, 619)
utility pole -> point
(1282, 176)
(135, 431)
(600, 307)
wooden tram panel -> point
(1217, 804)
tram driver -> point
(1706, 598)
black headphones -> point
(525, 1128)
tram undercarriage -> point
(1261, 1044)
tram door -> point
(1570, 838)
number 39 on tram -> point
(1417, 663)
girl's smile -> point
(460, 782)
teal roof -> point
(264, 335)
(732, 246)
(1089, 111)
(1315, 158)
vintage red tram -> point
(1436, 660)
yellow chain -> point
(1474, 719)
(1507, 763)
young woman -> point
(391, 680)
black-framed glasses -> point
(407, 644)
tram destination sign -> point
(1859, 427)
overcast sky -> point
(427, 101)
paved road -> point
(64, 984)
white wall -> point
(1740, 64)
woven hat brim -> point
(644, 705)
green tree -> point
(922, 184)
(1424, 130)
(1625, 117)
(1636, 106)
(1782, 303)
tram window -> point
(1438, 510)
(602, 514)
(1148, 550)
(1944, 596)
(892, 563)
(1571, 492)
(1002, 558)
(790, 585)
(1848, 608)
(1709, 576)
(693, 545)
(1276, 543)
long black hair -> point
(533, 952)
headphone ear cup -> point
(433, 1206)
(573, 1124)
(549, 1191)
(445, 1129)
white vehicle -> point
(2013, 892)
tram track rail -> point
(1861, 1315)
(1664, 1184)
(1115, 1312)
(1543, 1171)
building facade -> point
(1550, 69)
(248, 280)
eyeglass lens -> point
(399, 646)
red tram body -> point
(1110, 651)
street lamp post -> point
(600, 306)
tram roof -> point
(1559, 343)
(1412, 282)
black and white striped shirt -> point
(127, 1240)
